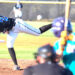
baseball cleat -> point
(16, 67)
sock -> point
(45, 28)
(13, 55)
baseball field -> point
(25, 46)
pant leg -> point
(11, 37)
(10, 42)
(26, 28)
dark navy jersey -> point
(46, 69)
(6, 23)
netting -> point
(38, 11)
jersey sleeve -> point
(56, 46)
(6, 23)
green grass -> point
(26, 45)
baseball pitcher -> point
(14, 26)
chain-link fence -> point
(36, 0)
(38, 11)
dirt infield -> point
(6, 66)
